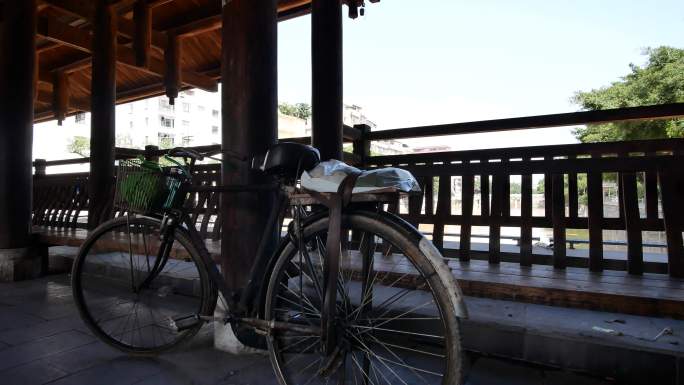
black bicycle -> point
(352, 295)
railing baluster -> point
(467, 195)
(558, 219)
(429, 196)
(484, 195)
(595, 220)
(651, 187)
(630, 205)
(495, 219)
(415, 203)
(547, 190)
(526, 219)
(443, 210)
(505, 192)
(672, 190)
(573, 195)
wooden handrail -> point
(564, 150)
(663, 111)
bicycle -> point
(353, 294)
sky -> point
(411, 63)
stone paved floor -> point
(42, 340)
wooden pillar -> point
(326, 70)
(19, 259)
(102, 129)
(249, 126)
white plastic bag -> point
(327, 176)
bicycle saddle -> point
(287, 160)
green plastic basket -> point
(142, 187)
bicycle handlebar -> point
(184, 152)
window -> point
(124, 141)
(186, 107)
(165, 140)
(214, 130)
(214, 113)
(130, 124)
(201, 108)
(187, 140)
(164, 104)
(147, 122)
(166, 122)
(80, 117)
(186, 124)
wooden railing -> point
(60, 200)
(650, 161)
(657, 163)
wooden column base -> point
(22, 264)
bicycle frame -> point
(244, 303)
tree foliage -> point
(79, 145)
(299, 110)
(659, 81)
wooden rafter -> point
(81, 39)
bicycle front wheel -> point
(395, 320)
(131, 295)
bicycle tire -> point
(404, 239)
(97, 278)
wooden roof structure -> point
(180, 36)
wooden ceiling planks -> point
(65, 44)
(65, 41)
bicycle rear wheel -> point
(132, 298)
(395, 320)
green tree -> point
(79, 145)
(299, 110)
(659, 81)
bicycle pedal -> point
(185, 322)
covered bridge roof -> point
(64, 44)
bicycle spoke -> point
(129, 315)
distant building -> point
(436, 148)
(194, 120)
(389, 147)
(292, 126)
(353, 115)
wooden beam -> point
(80, 38)
(197, 27)
(662, 111)
(45, 96)
(84, 10)
(64, 34)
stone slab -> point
(25, 353)
(22, 263)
